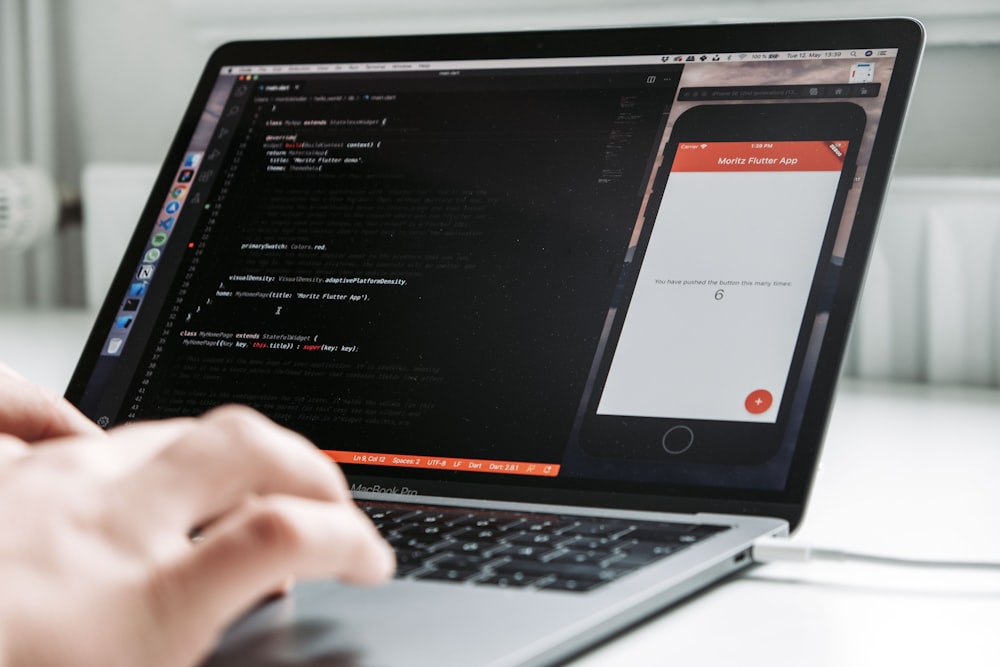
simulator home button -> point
(678, 439)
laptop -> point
(568, 307)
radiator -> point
(41, 275)
(931, 305)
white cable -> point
(775, 550)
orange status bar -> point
(446, 463)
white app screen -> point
(711, 328)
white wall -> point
(952, 125)
(125, 71)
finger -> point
(11, 448)
(34, 413)
(279, 536)
(250, 552)
(205, 467)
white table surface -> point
(908, 470)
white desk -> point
(44, 346)
(907, 471)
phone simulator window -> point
(712, 325)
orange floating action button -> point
(758, 401)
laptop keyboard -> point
(511, 549)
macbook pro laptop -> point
(568, 307)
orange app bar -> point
(446, 463)
(743, 156)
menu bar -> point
(516, 63)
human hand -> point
(96, 564)
(31, 413)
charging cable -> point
(777, 550)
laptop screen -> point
(556, 270)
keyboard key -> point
(572, 585)
(507, 580)
(449, 575)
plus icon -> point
(758, 401)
